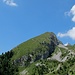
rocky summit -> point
(42, 55)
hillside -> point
(35, 44)
(44, 55)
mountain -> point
(43, 55)
(67, 44)
(40, 43)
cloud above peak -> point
(10, 2)
(70, 33)
(71, 13)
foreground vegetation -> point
(6, 66)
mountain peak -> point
(50, 33)
(53, 37)
(47, 41)
(67, 44)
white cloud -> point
(71, 13)
(10, 2)
(70, 33)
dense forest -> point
(6, 66)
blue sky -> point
(21, 20)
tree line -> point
(6, 66)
